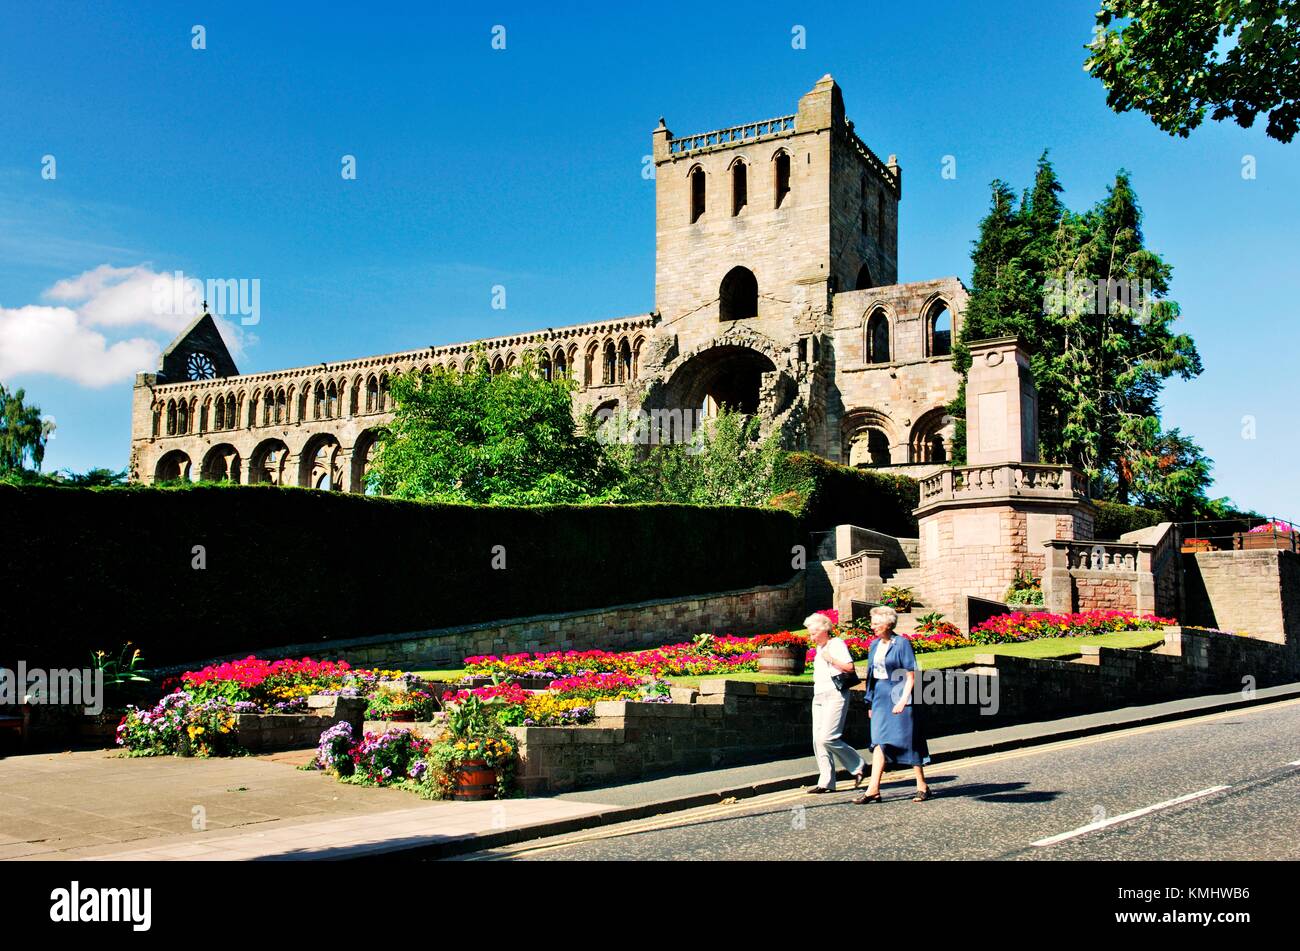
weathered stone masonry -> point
(776, 268)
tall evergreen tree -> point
(1089, 302)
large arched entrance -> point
(269, 463)
(727, 375)
(321, 464)
(173, 467)
(221, 464)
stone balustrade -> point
(746, 132)
(1002, 481)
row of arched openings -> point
(936, 334)
(738, 173)
(322, 464)
(867, 440)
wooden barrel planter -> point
(475, 780)
(781, 660)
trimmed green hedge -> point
(825, 494)
(1114, 519)
(91, 569)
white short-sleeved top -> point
(835, 650)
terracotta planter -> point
(475, 780)
(782, 660)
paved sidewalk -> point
(97, 805)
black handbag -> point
(844, 681)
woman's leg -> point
(919, 772)
(825, 768)
(877, 770)
(837, 714)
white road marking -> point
(1104, 823)
(1296, 763)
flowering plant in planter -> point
(898, 598)
(401, 703)
(180, 725)
(382, 759)
(474, 734)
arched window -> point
(498, 367)
(318, 404)
(697, 193)
(372, 395)
(332, 400)
(863, 280)
(281, 407)
(636, 357)
(607, 375)
(544, 365)
(157, 417)
(182, 418)
(589, 366)
(624, 361)
(561, 364)
(219, 414)
(938, 330)
(739, 187)
(738, 295)
(930, 437)
(383, 392)
(171, 417)
(252, 409)
(878, 337)
(781, 169)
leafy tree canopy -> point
(1177, 59)
(476, 437)
(1090, 303)
(22, 432)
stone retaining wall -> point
(1256, 591)
(270, 732)
(758, 610)
(731, 722)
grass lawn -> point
(752, 675)
(1047, 647)
(442, 675)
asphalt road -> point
(1224, 786)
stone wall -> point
(268, 732)
(731, 722)
(758, 610)
(1256, 591)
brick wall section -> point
(1105, 590)
(626, 627)
(734, 722)
(1254, 591)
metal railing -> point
(1241, 534)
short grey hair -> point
(818, 621)
(883, 612)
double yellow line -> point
(706, 813)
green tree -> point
(1170, 473)
(1176, 59)
(22, 432)
(475, 437)
(725, 463)
(1089, 301)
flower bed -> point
(1013, 628)
(199, 717)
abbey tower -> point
(776, 267)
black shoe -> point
(858, 778)
(817, 790)
(865, 800)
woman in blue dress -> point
(895, 733)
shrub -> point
(115, 565)
(1114, 519)
(826, 495)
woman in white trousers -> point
(830, 707)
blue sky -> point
(522, 167)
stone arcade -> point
(776, 261)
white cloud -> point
(54, 340)
(73, 340)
